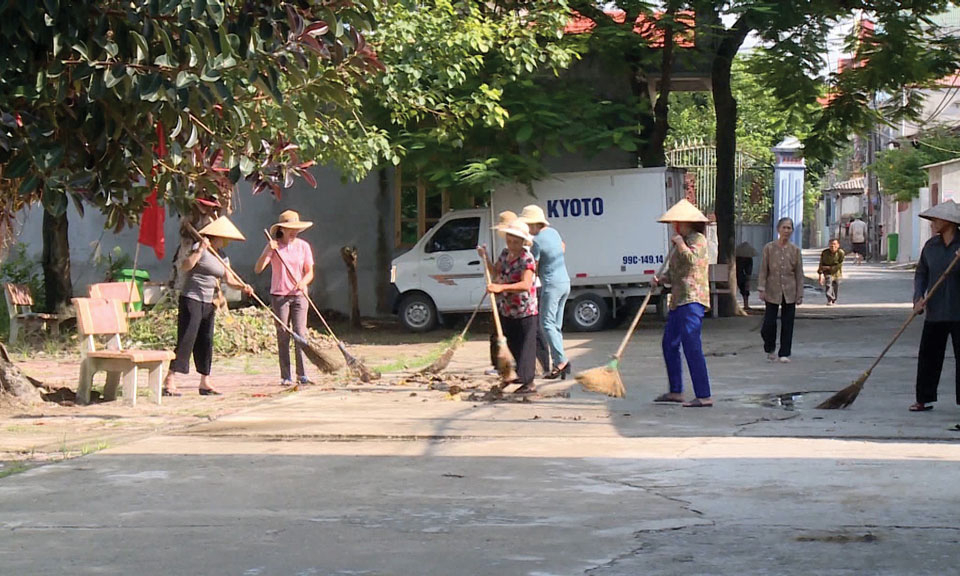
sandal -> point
(697, 403)
(168, 392)
(668, 398)
(920, 407)
(526, 389)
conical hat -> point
(949, 211)
(683, 211)
(222, 227)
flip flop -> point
(667, 398)
(696, 403)
(918, 407)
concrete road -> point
(395, 479)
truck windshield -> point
(459, 234)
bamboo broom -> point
(606, 379)
(353, 363)
(441, 363)
(317, 356)
(845, 397)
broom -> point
(443, 361)
(505, 362)
(353, 363)
(606, 379)
(317, 356)
(845, 397)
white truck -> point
(607, 219)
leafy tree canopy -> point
(900, 171)
(83, 84)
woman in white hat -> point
(689, 300)
(780, 283)
(513, 277)
(547, 250)
(196, 312)
(543, 353)
(288, 288)
(942, 308)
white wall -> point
(343, 213)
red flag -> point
(151, 222)
(151, 226)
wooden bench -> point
(719, 284)
(125, 292)
(22, 317)
(103, 317)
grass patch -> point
(12, 468)
(90, 449)
(406, 363)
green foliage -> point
(899, 170)
(238, 332)
(229, 82)
(471, 96)
(761, 122)
(18, 268)
(111, 264)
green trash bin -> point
(127, 274)
(893, 247)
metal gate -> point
(754, 180)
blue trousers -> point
(553, 299)
(683, 328)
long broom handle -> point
(493, 302)
(236, 276)
(643, 307)
(304, 291)
(476, 309)
(914, 314)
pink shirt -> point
(298, 256)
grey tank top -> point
(202, 279)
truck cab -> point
(442, 271)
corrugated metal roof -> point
(852, 186)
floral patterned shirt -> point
(516, 304)
(688, 273)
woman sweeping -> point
(780, 283)
(514, 272)
(689, 299)
(195, 317)
(547, 250)
(287, 288)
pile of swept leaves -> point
(238, 332)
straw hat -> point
(222, 227)
(503, 220)
(683, 211)
(289, 219)
(533, 214)
(519, 229)
(949, 211)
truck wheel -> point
(418, 313)
(588, 313)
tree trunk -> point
(384, 251)
(349, 255)
(14, 383)
(726, 111)
(56, 262)
(653, 153)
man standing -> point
(858, 236)
(830, 271)
(942, 308)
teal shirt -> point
(548, 251)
